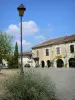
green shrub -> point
(30, 86)
(12, 62)
(0, 67)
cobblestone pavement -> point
(64, 78)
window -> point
(58, 50)
(72, 48)
(47, 52)
(37, 53)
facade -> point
(27, 58)
(59, 52)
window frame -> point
(47, 52)
(58, 51)
(72, 48)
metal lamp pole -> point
(21, 47)
(21, 10)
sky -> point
(42, 20)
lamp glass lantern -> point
(21, 9)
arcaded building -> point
(58, 52)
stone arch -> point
(72, 62)
(42, 64)
(48, 63)
(60, 63)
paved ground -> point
(64, 80)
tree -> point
(15, 58)
(5, 45)
(10, 61)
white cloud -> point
(29, 28)
(40, 37)
(13, 30)
(24, 43)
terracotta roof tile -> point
(27, 53)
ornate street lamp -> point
(21, 10)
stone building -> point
(27, 58)
(59, 52)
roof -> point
(56, 41)
(27, 53)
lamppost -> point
(21, 10)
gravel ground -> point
(4, 74)
(64, 78)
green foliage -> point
(15, 57)
(30, 86)
(0, 67)
(10, 61)
(5, 45)
(0, 58)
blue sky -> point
(42, 20)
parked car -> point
(27, 65)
